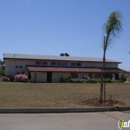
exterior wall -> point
(11, 70)
(56, 76)
(10, 66)
(41, 77)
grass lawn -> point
(57, 94)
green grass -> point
(57, 94)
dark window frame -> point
(74, 75)
(73, 64)
(78, 64)
(59, 62)
(44, 63)
(53, 63)
(65, 63)
(20, 66)
(38, 62)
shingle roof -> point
(49, 57)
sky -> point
(50, 27)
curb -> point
(61, 110)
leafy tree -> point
(62, 54)
(35, 76)
(2, 68)
(112, 28)
(66, 54)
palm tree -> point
(112, 28)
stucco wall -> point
(41, 77)
(11, 64)
(56, 76)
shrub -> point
(92, 81)
(20, 78)
(5, 79)
(108, 80)
(78, 80)
(65, 79)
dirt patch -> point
(95, 102)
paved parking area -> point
(63, 121)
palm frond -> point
(112, 27)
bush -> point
(78, 80)
(91, 81)
(21, 78)
(2, 72)
(65, 79)
(5, 79)
(108, 80)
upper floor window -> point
(65, 63)
(72, 64)
(78, 64)
(44, 63)
(38, 63)
(59, 63)
(16, 66)
(20, 66)
(53, 63)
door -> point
(49, 77)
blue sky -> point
(50, 27)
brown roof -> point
(58, 69)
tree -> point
(112, 28)
(35, 76)
(62, 54)
(66, 54)
(2, 68)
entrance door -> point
(49, 77)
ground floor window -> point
(97, 75)
(74, 75)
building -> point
(51, 68)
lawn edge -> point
(61, 110)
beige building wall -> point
(56, 76)
(11, 70)
(41, 77)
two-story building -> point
(51, 68)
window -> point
(53, 63)
(97, 75)
(78, 64)
(16, 66)
(20, 66)
(72, 64)
(59, 63)
(38, 63)
(44, 63)
(74, 75)
(65, 63)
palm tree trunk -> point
(102, 75)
